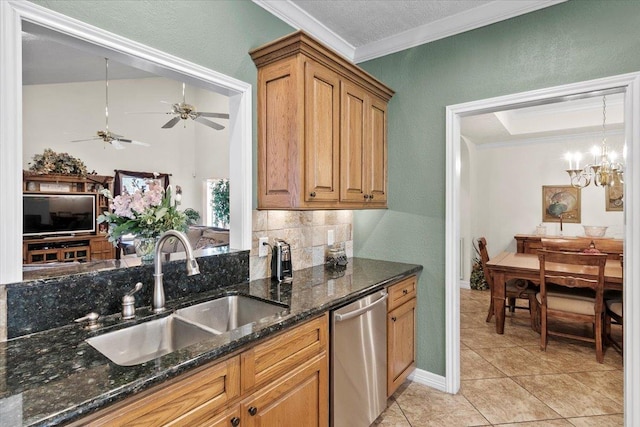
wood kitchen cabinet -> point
(401, 332)
(363, 149)
(321, 129)
(279, 382)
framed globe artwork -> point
(614, 197)
(560, 203)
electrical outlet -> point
(263, 246)
(330, 237)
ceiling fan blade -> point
(209, 123)
(131, 141)
(95, 138)
(116, 144)
(143, 144)
(147, 112)
(171, 123)
(216, 115)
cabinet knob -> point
(394, 318)
(235, 421)
(366, 196)
(312, 194)
(253, 410)
(404, 291)
(371, 196)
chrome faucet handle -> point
(129, 303)
(92, 319)
(135, 289)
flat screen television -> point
(55, 214)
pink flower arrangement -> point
(145, 213)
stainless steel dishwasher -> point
(359, 361)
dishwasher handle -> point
(358, 312)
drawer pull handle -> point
(253, 410)
(235, 421)
(394, 318)
(404, 291)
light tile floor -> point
(507, 381)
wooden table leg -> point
(498, 300)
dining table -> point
(509, 265)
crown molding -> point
(486, 14)
(301, 20)
(481, 16)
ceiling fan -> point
(106, 135)
(184, 111)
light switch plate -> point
(330, 237)
(263, 246)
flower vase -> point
(145, 248)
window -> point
(217, 203)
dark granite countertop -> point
(53, 377)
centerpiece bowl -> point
(594, 230)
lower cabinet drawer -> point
(183, 402)
(280, 355)
(402, 292)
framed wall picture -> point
(560, 203)
(614, 197)
(129, 181)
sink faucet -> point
(192, 266)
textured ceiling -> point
(360, 22)
(361, 30)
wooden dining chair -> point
(571, 290)
(613, 311)
(515, 288)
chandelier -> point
(605, 169)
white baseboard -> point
(465, 284)
(427, 378)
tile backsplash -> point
(305, 231)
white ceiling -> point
(360, 30)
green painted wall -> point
(569, 42)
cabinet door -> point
(376, 152)
(401, 353)
(352, 143)
(280, 135)
(300, 398)
(101, 248)
(322, 133)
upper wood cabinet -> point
(322, 129)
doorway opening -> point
(629, 84)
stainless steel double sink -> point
(146, 341)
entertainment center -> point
(60, 218)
